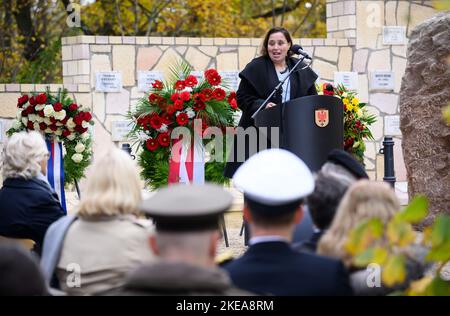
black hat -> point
(181, 207)
(344, 159)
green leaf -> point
(440, 239)
(400, 233)
(372, 255)
(363, 235)
(439, 287)
(416, 210)
(394, 271)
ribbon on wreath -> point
(187, 162)
(55, 170)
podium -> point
(309, 127)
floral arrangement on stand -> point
(58, 118)
(174, 103)
(356, 119)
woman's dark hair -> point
(273, 30)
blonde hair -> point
(113, 188)
(364, 200)
(23, 154)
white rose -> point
(24, 121)
(17, 125)
(71, 136)
(36, 126)
(190, 113)
(32, 117)
(60, 115)
(19, 115)
(39, 119)
(85, 136)
(77, 158)
(40, 107)
(48, 110)
(48, 131)
(85, 124)
(79, 148)
(70, 124)
(58, 132)
(59, 124)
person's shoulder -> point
(256, 63)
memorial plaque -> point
(120, 130)
(394, 35)
(146, 78)
(108, 81)
(347, 78)
(392, 125)
(230, 79)
(382, 80)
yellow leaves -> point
(419, 287)
(376, 255)
(355, 101)
(363, 235)
(415, 211)
(400, 233)
(440, 239)
(441, 4)
(394, 271)
(446, 113)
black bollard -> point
(388, 152)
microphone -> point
(297, 49)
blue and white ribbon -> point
(55, 170)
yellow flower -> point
(355, 101)
(349, 106)
(345, 100)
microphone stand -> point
(277, 88)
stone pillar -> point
(425, 90)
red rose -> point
(57, 106)
(42, 126)
(66, 133)
(41, 98)
(53, 120)
(207, 93)
(178, 105)
(158, 85)
(78, 119)
(155, 121)
(182, 119)
(30, 125)
(233, 104)
(33, 100)
(30, 109)
(80, 129)
(164, 139)
(171, 109)
(198, 97)
(180, 85)
(25, 112)
(199, 106)
(191, 81)
(185, 96)
(219, 94)
(41, 113)
(53, 127)
(22, 100)
(73, 107)
(151, 144)
(64, 121)
(87, 116)
(213, 77)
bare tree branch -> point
(278, 10)
(119, 17)
(306, 16)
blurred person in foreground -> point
(28, 205)
(186, 218)
(274, 183)
(93, 251)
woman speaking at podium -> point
(260, 77)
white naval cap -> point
(274, 177)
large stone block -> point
(379, 60)
(325, 69)
(118, 103)
(363, 88)
(147, 57)
(419, 13)
(227, 61)
(402, 14)
(390, 13)
(99, 105)
(360, 60)
(84, 99)
(369, 22)
(197, 59)
(66, 52)
(424, 93)
(8, 104)
(385, 102)
(399, 50)
(100, 48)
(169, 58)
(327, 53)
(124, 61)
(211, 51)
(345, 59)
(80, 51)
(99, 63)
(246, 54)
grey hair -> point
(338, 172)
(23, 154)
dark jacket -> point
(258, 79)
(309, 245)
(27, 209)
(275, 268)
(165, 278)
